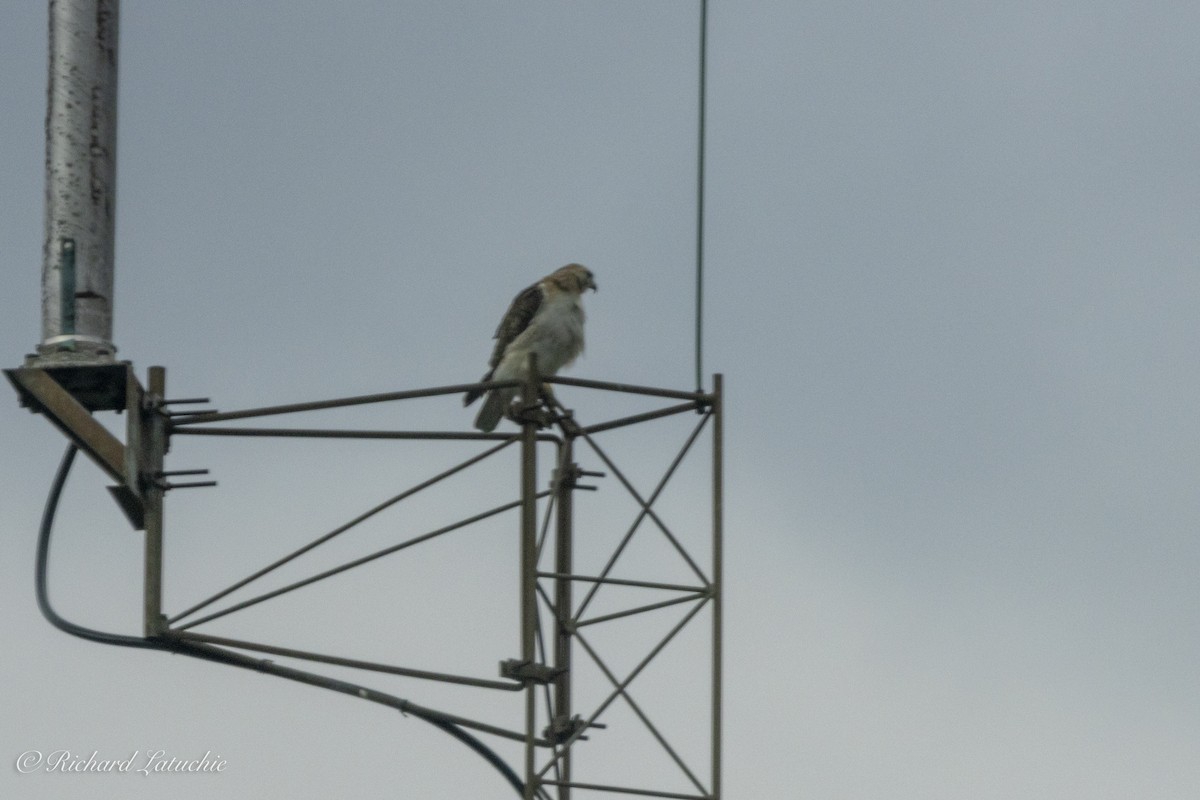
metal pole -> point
(81, 161)
(718, 511)
(154, 443)
(562, 604)
(528, 554)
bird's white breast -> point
(555, 334)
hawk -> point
(546, 319)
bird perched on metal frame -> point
(545, 319)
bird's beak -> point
(592, 283)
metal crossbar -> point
(677, 587)
(358, 562)
(341, 402)
(644, 512)
(638, 610)
(342, 529)
(635, 419)
(640, 714)
(623, 692)
(629, 679)
(599, 787)
(370, 666)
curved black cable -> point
(209, 653)
(43, 556)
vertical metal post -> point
(154, 446)
(717, 513)
(81, 161)
(700, 148)
(529, 428)
(562, 601)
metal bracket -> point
(569, 476)
(43, 394)
(97, 387)
(160, 480)
(68, 396)
(562, 728)
(538, 415)
(516, 669)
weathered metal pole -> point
(563, 565)
(154, 446)
(718, 511)
(81, 163)
(529, 402)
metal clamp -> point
(519, 670)
(160, 482)
(562, 728)
(569, 476)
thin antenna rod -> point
(700, 197)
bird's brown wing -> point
(516, 320)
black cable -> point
(43, 553)
(218, 655)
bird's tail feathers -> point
(497, 402)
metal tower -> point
(559, 725)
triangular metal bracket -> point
(68, 395)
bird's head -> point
(574, 278)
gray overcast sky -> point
(952, 285)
